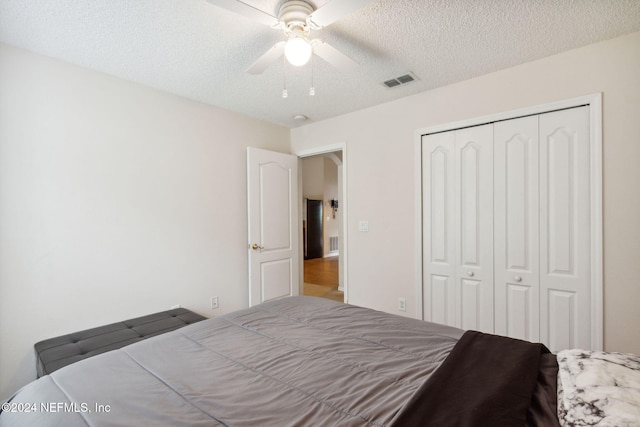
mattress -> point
(295, 361)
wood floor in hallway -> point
(321, 278)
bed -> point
(301, 361)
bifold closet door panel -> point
(474, 227)
(438, 194)
(516, 253)
(565, 231)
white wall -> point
(116, 201)
(381, 166)
(312, 177)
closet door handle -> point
(471, 273)
(517, 278)
(256, 246)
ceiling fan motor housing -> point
(294, 14)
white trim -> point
(595, 122)
(342, 146)
(418, 224)
(597, 238)
(322, 150)
(528, 111)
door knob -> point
(517, 278)
(256, 246)
(471, 273)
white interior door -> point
(458, 227)
(516, 273)
(272, 191)
(474, 227)
(439, 250)
(565, 229)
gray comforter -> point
(293, 362)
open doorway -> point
(322, 227)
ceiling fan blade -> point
(247, 11)
(333, 56)
(267, 59)
(335, 10)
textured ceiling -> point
(197, 50)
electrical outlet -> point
(214, 303)
(402, 304)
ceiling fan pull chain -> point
(312, 89)
(285, 93)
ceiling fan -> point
(297, 19)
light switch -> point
(363, 226)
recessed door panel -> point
(471, 304)
(519, 316)
(277, 279)
(469, 195)
(275, 215)
(440, 299)
(440, 175)
(518, 201)
(561, 146)
(561, 328)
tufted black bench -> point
(55, 353)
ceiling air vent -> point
(402, 80)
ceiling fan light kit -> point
(297, 50)
(292, 17)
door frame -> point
(594, 101)
(326, 149)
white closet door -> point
(438, 262)
(474, 227)
(517, 287)
(565, 238)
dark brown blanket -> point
(487, 380)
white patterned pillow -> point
(597, 388)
